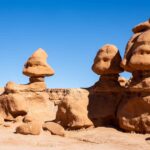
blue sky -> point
(71, 32)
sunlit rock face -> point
(137, 54)
(107, 61)
(133, 112)
(112, 100)
(105, 94)
(29, 99)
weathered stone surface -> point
(73, 110)
(134, 109)
(102, 108)
(134, 112)
(17, 105)
(30, 99)
(12, 87)
(142, 27)
(12, 105)
(36, 66)
(137, 53)
(107, 61)
(54, 128)
(33, 103)
(33, 128)
(107, 83)
(1, 120)
(40, 106)
(128, 52)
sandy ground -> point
(101, 138)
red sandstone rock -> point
(37, 66)
(142, 27)
(73, 110)
(54, 128)
(33, 128)
(107, 61)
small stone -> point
(32, 128)
(54, 128)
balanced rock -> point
(36, 66)
(107, 64)
(105, 95)
(133, 112)
(137, 53)
(107, 61)
(137, 56)
(29, 99)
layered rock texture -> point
(105, 95)
(134, 110)
(112, 100)
(30, 100)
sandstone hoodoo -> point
(137, 57)
(107, 64)
(134, 110)
(113, 100)
(106, 93)
(37, 68)
(29, 99)
(107, 61)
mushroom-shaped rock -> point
(107, 61)
(36, 66)
(137, 55)
(142, 27)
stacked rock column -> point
(106, 93)
(134, 110)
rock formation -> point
(37, 68)
(106, 93)
(134, 110)
(107, 64)
(72, 108)
(31, 99)
(113, 100)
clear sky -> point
(71, 32)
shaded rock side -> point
(134, 112)
(102, 108)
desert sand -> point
(101, 138)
